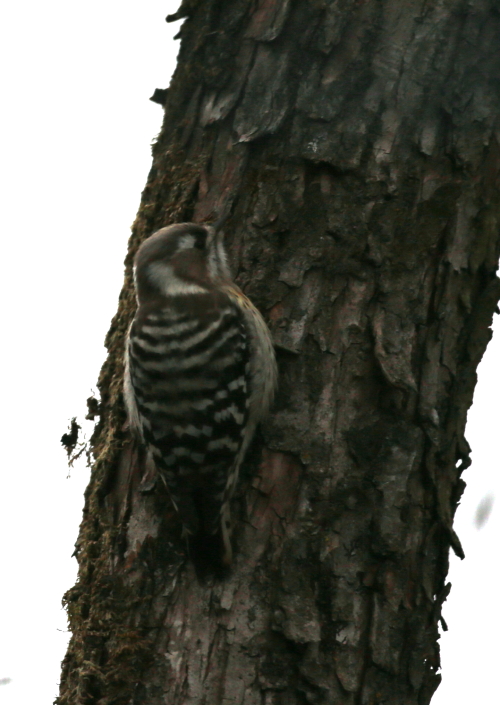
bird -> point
(200, 374)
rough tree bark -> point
(357, 143)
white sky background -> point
(75, 153)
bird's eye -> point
(201, 242)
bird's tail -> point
(210, 546)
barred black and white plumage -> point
(200, 373)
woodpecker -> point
(200, 373)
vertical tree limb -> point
(357, 144)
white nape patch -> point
(162, 276)
(186, 242)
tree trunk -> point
(356, 143)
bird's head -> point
(185, 258)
